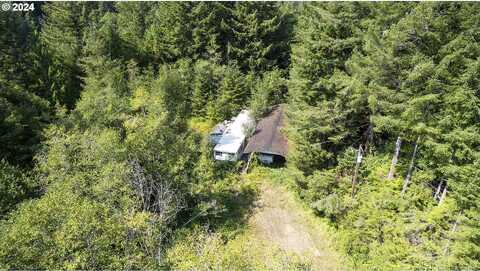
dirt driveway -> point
(279, 219)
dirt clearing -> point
(282, 221)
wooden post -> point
(357, 166)
(410, 168)
(391, 172)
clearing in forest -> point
(282, 221)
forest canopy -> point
(105, 108)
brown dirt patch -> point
(279, 219)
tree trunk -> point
(245, 170)
(357, 166)
(454, 229)
(439, 187)
(368, 138)
(391, 172)
(410, 168)
(444, 194)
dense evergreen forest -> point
(104, 108)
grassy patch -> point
(231, 240)
(203, 250)
(223, 240)
(201, 125)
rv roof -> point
(234, 136)
(220, 128)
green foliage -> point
(261, 36)
(106, 170)
(167, 36)
(208, 77)
(23, 115)
(362, 76)
(270, 90)
(206, 251)
(103, 101)
(15, 186)
(102, 38)
(132, 25)
(104, 110)
(233, 93)
(109, 89)
(254, 36)
(24, 107)
(86, 211)
(62, 35)
(74, 233)
(323, 115)
(328, 193)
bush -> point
(202, 250)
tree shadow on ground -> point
(226, 210)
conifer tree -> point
(62, 34)
(132, 24)
(168, 35)
(261, 36)
(317, 62)
(212, 31)
(24, 102)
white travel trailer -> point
(218, 131)
(233, 141)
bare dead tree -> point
(444, 195)
(452, 232)
(156, 194)
(391, 172)
(410, 168)
(357, 166)
(245, 169)
(437, 192)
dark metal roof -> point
(268, 136)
